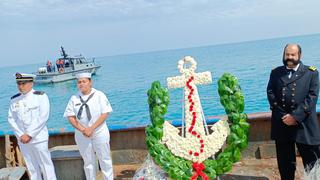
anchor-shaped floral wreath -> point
(179, 166)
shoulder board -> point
(312, 68)
(17, 95)
(38, 92)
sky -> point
(32, 31)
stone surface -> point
(128, 156)
(267, 150)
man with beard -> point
(292, 93)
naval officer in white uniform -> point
(28, 114)
(87, 112)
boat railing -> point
(70, 62)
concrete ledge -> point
(129, 156)
(67, 162)
(12, 173)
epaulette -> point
(38, 92)
(17, 95)
(312, 68)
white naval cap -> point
(24, 77)
(83, 75)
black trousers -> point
(286, 157)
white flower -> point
(191, 61)
(180, 146)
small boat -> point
(65, 69)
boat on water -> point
(65, 68)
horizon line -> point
(182, 48)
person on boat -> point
(49, 65)
(293, 91)
(27, 115)
(61, 63)
(58, 64)
(87, 111)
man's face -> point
(84, 84)
(24, 87)
(291, 56)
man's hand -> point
(88, 131)
(81, 129)
(25, 138)
(289, 120)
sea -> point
(125, 79)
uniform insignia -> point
(17, 95)
(18, 75)
(38, 92)
(312, 68)
(16, 105)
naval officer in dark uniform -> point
(292, 93)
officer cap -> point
(23, 77)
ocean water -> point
(125, 79)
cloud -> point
(125, 9)
(148, 8)
(104, 27)
(65, 12)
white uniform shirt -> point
(28, 114)
(98, 105)
(295, 69)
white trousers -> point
(88, 147)
(38, 160)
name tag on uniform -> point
(32, 108)
(78, 104)
(16, 105)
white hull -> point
(63, 76)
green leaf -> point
(240, 132)
(156, 132)
(227, 166)
(232, 138)
(173, 173)
(158, 121)
(155, 85)
(244, 143)
(225, 155)
(166, 99)
(212, 175)
(156, 110)
(234, 117)
(153, 153)
(219, 170)
(236, 155)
